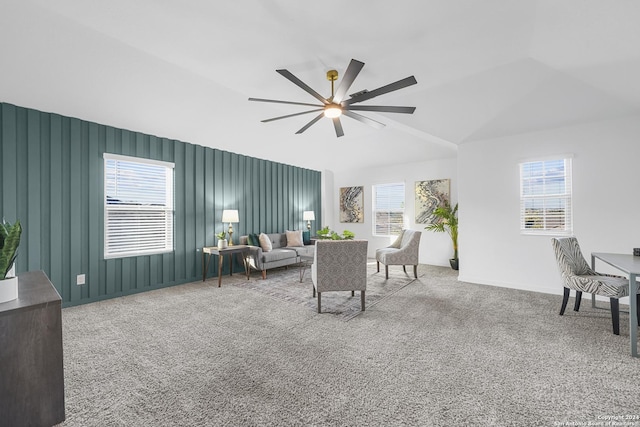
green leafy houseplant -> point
(221, 235)
(9, 242)
(448, 222)
(327, 234)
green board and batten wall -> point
(52, 181)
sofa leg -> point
(565, 299)
(353, 293)
(264, 274)
(404, 268)
(319, 303)
(615, 315)
(362, 300)
(378, 264)
(386, 271)
(415, 271)
(314, 290)
(576, 306)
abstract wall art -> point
(430, 195)
(352, 204)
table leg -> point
(633, 314)
(220, 262)
(593, 267)
(205, 265)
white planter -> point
(8, 289)
(222, 243)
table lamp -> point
(308, 216)
(230, 216)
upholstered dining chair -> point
(339, 265)
(577, 275)
(404, 251)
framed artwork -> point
(352, 204)
(430, 195)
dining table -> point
(630, 265)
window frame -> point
(549, 181)
(375, 210)
(168, 209)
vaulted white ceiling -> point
(184, 69)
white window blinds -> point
(138, 202)
(388, 209)
(545, 197)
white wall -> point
(606, 201)
(435, 248)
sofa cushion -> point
(294, 238)
(278, 254)
(265, 242)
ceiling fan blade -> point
(308, 125)
(291, 115)
(337, 124)
(376, 124)
(283, 102)
(302, 85)
(349, 76)
(382, 109)
(408, 81)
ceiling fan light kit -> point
(335, 106)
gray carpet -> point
(437, 352)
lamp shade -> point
(308, 216)
(230, 215)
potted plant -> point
(448, 221)
(222, 240)
(327, 234)
(9, 242)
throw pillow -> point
(294, 238)
(250, 240)
(256, 239)
(265, 242)
(398, 241)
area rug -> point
(284, 284)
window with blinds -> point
(138, 206)
(545, 197)
(388, 209)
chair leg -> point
(565, 299)
(378, 264)
(362, 300)
(415, 271)
(404, 268)
(576, 306)
(615, 315)
(314, 290)
(319, 304)
(386, 271)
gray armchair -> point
(577, 275)
(404, 251)
(340, 265)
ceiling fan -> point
(336, 105)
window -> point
(138, 206)
(545, 197)
(388, 209)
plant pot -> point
(8, 289)
(222, 243)
(454, 262)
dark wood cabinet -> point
(31, 365)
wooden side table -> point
(207, 251)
